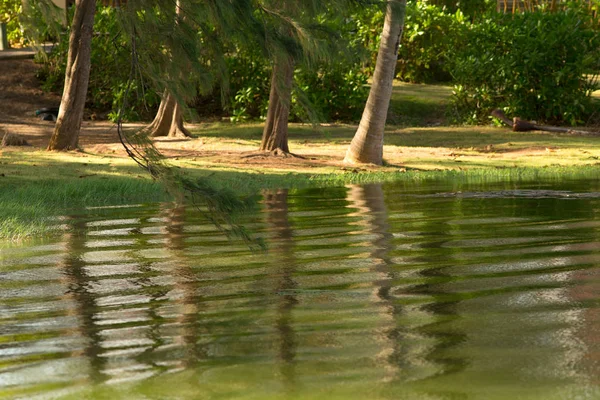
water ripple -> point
(441, 296)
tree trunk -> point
(177, 129)
(275, 133)
(168, 120)
(70, 115)
(367, 144)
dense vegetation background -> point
(539, 65)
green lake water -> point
(400, 291)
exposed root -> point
(274, 153)
(179, 132)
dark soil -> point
(21, 94)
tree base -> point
(179, 133)
(274, 153)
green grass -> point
(38, 186)
(419, 105)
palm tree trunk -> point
(275, 133)
(70, 116)
(367, 144)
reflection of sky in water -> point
(442, 295)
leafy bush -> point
(10, 16)
(328, 92)
(430, 37)
(364, 34)
(472, 9)
(336, 93)
(532, 65)
(249, 84)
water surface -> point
(367, 292)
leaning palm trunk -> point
(367, 144)
(168, 120)
(77, 76)
(275, 133)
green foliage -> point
(531, 65)
(108, 76)
(335, 92)
(40, 21)
(431, 36)
(327, 92)
(9, 14)
(327, 87)
(472, 9)
(249, 85)
(366, 34)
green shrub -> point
(249, 85)
(328, 92)
(431, 35)
(335, 92)
(532, 65)
(472, 9)
(365, 34)
(10, 16)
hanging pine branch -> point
(219, 205)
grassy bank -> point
(38, 186)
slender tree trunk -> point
(275, 133)
(168, 120)
(70, 116)
(367, 144)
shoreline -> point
(39, 186)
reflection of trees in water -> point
(185, 281)
(147, 340)
(447, 310)
(369, 202)
(408, 348)
(155, 293)
(276, 205)
(78, 289)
